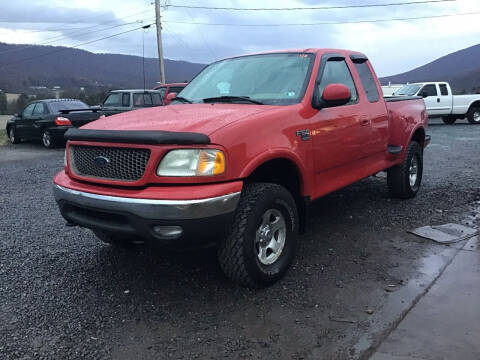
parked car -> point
(389, 90)
(48, 120)
(240, 155)
(166, 89)
(118, 101)
(441, 103)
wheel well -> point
(419, 136)
(285, 173)
(475, 104)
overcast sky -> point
(393, 47)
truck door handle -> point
(438, 99)
(364, 122)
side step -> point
(394, 149)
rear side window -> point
(39, 109)
(175, 89)
(147, 99)
(443, 89)
(368, 82)
(430, 90)
(337, 72)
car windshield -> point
(408, 90)
(269, 78)
(56, 106)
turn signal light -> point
(62, 121)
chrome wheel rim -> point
(270, 237)
(476, 116)
(413, 171)
(46, 139)
(11, 136)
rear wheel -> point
(12, 136)
(404, 179)
(262, 240)
(449, 120)
(48, 140)
(473, 115)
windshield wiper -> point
(182, 99)
(231, 98)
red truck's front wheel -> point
(262, 240)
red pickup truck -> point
(239, 155)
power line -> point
(327, 23)
(73, 47)
(311, 8)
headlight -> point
(192, 162)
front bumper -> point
(196, 221)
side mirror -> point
(333, 95)
(170, 97)
(18, 115)
(423, 94)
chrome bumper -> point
(149, 208)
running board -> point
(394, 149)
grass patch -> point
(3, 137)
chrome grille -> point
(112, 163)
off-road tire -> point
(471, 115)
(237, 254)
(449, 120)
(398, 177)
(12, 136)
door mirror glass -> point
(423, 94)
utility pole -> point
(158, 19)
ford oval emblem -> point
(101, 161)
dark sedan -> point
(48, 120)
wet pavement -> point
(357, 274)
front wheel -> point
(404, 179)
(261, 243)
(12, 135)
(473, 115)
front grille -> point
(112, 163)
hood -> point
(200, 118)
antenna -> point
(145, 28)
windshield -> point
(56, 106)
(269, 78)
(408, 90)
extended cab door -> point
(446, 99)
(431, 97)
(340, 132)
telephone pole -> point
(158, 19)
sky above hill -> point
(205, 35)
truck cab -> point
(118, 101)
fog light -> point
(168, 232)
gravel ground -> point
(64, 294)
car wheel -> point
(404, 179)
(262, 240)
(473, 115)
(449, 120)
(12, 136)
(47, 140)
(116, 239)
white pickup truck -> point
(440, 102)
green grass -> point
(3, 137)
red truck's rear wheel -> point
(404, 179)
(262, 240)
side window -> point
(28, 110)
(367, 81)
(430, 90)
(162, 91)
(443, 89)
(114, 99)
(39, 110)
(126, 99)
(175, 89)
(337, 72)
(157, 100)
